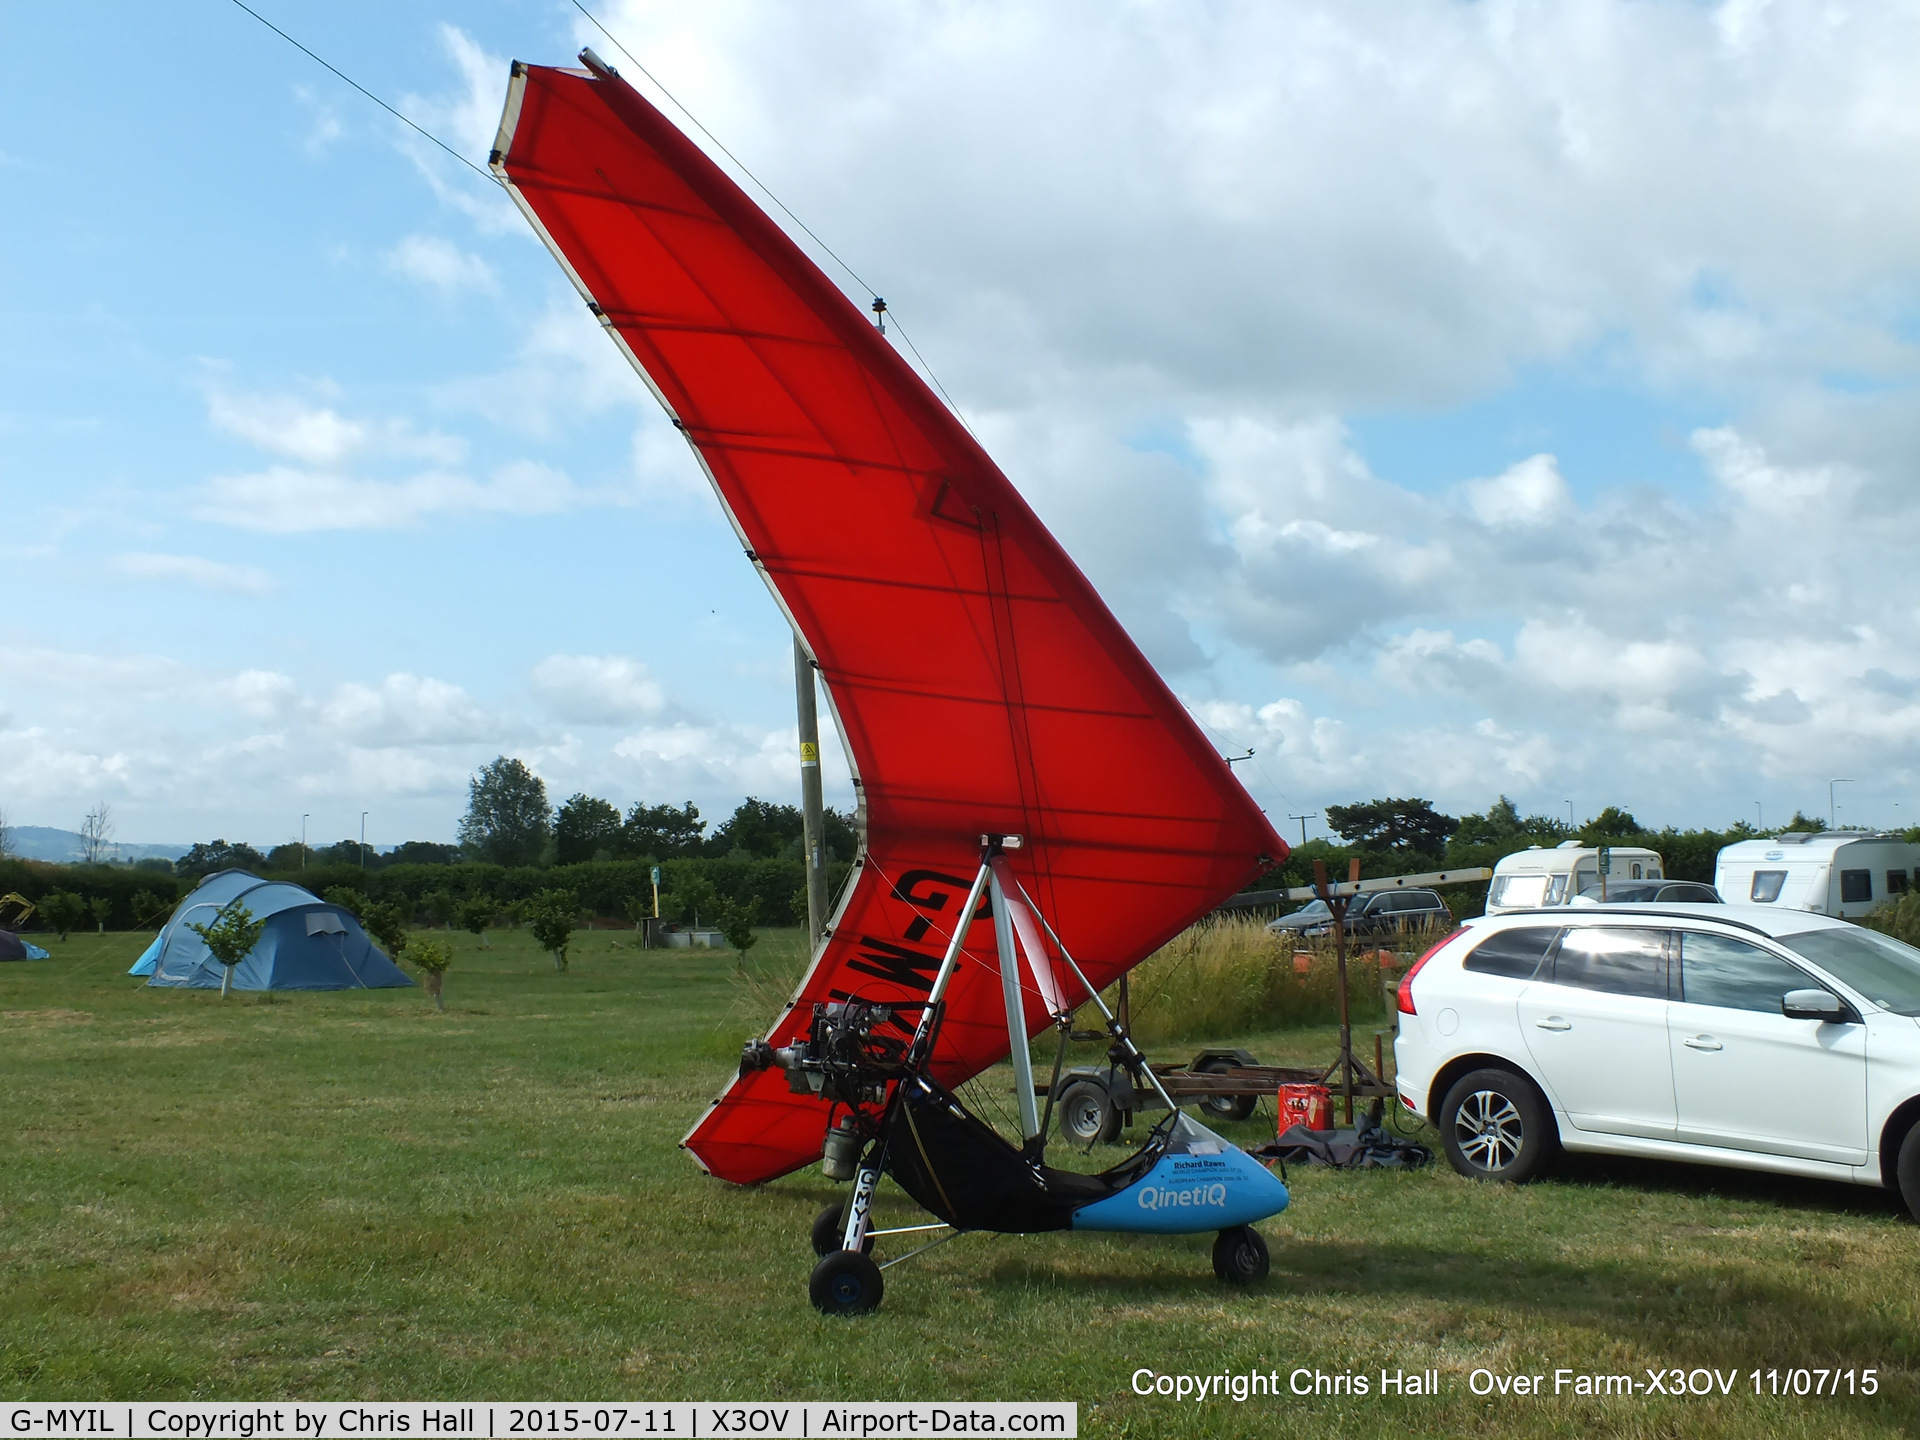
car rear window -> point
(1513, 953)
(1614, 961)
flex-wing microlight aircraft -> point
(1026, 782)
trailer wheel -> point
(846, 1283)
(1224, 1107)
(1088, 1115)
(1240, 1256)
(830, 1228)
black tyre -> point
(1240, 1256)
(1906, 1170)
(1495, 1125)
(1087, 1114)
(1224, 1107)
(830, 1228)
(846, 1283)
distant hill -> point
(43, 842)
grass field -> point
(348, 1195)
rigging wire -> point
(428, 134)
(786, 210)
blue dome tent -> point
(307, 944)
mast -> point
(813, 827)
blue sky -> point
(1452, 400)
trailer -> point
(1095, 1103)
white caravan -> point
(1837, 872)
(1537, 876)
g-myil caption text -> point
(1306, 1382)
(589, 1420)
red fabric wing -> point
(979, 681)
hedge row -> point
(603, 887)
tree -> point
(1403, 826)
(96, 834)
(757, 827)
(431, 958)
(586, 828)
(209, 859)
(1609, 825)
(551, 915)
(507, 818)
(419, 852)
(6, 833)
(101, 908)
(475, 914)
(691, 895)
(347, 898)
(62, 910)
(637, 909)
(737, 922)
(230, 937)
(662, 831)
(439, 905)
(149, 907)
(387, 923)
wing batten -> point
(977, 681)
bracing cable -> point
(334, 69)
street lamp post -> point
(1758, 823)
(1832, 814)
(303, 842)
(363, 840)
(1569, 817)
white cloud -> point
(194, 570)
(283, 500)
(319, 435)
(597, 689)
(408, 709)
(1528, 495)
(441, 264)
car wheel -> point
(1495, 1125)
(1224, 1107)
(1088, 1115)
(1906, 1170)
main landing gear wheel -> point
(846, 1283)
(1240, 1256)
(1088, 1115)
(1494, 1125)
(830, 1229)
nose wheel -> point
(1240, 1256)
(847, 1282)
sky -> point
(1452, 400)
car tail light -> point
(1406, 981)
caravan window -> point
(1856, 887)
(1519, 890)
(1896, 882)
(1766, 886)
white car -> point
(1725, 1034)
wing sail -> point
(979, 683)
